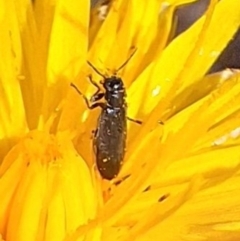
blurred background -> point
(187, 15)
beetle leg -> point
(94, 83)
(89, 105)
(98, 104)
(135, 121)
(96, 97)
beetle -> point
(109, 140)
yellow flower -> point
(180, 176)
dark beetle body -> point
(110, 137)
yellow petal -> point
(167, 72)
(51, 187)
(68, 40)
(12, 111)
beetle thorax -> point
(115, 92)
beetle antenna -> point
(95, 69)
(126, 61)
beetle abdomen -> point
(110, 142)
